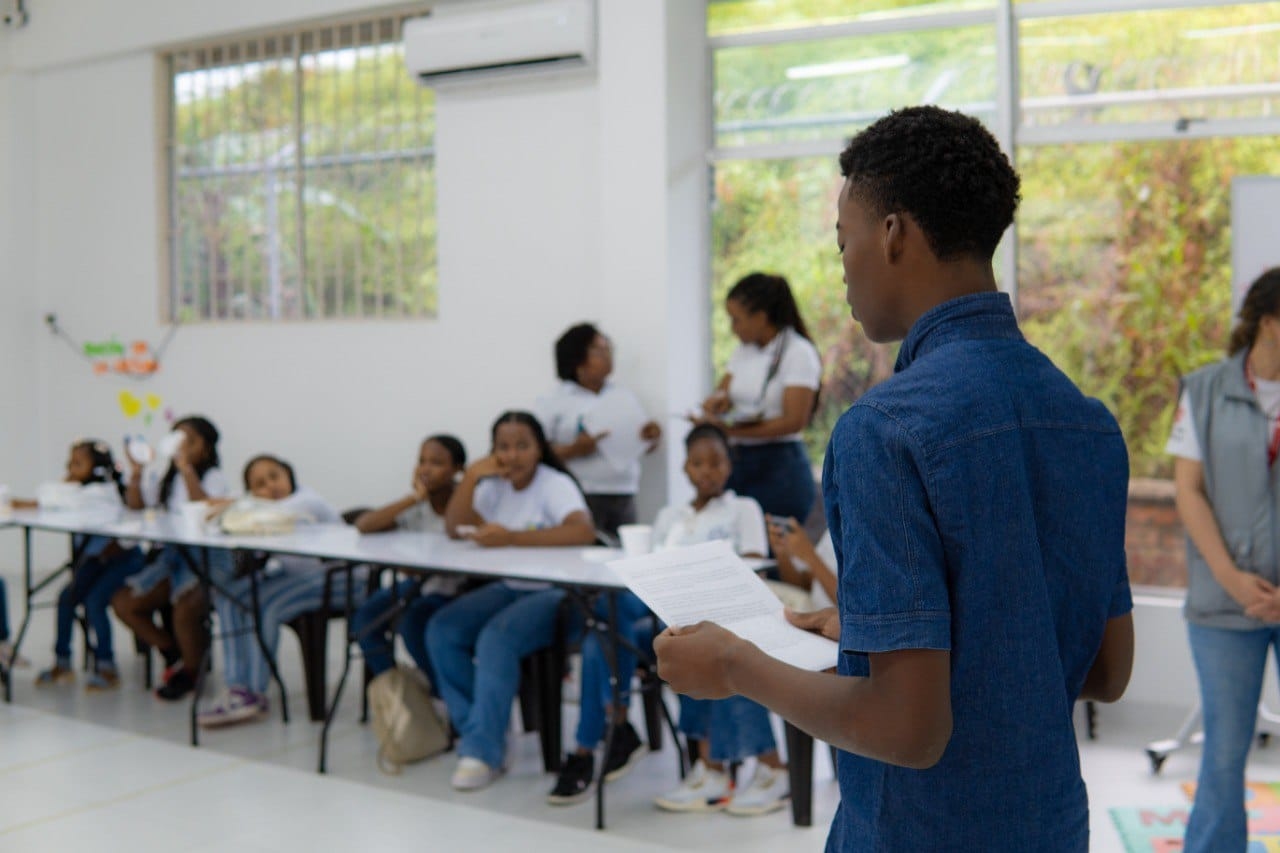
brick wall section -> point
(1154, 539)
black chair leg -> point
(800, 769)
(313, 634)
(529, 706)
(550, 665)
(651, 696)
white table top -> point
(575, 566)
(568, 565)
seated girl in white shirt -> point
(296, 586)
(102, 566)
(518, 495)
(737, 728)
(192, 475)
(410, 603)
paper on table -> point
(621, 416)
(710, 583)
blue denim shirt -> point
(976, 501)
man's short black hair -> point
(944, 169)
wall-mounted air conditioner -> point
(463, 42)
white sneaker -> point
(703, 790)
(770, 789)
(236, 705)
(472, 774)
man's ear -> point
(894, 232)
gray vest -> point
(1233, 433)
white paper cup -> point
(193, 516)
(637, 539)
(167, 446)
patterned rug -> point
(1160, 830)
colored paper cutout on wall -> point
(137, 360)
(132, 406)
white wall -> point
(557, 201)
(553, 206)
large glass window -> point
(301, 178)
(1128, 125)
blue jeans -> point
(93, 583)
(777, 475)
(282, 597)
(376, 642)
(171, 565)
(596, 694)
(736, 728)
(476, 643)
(1230, 666)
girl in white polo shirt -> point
(582, 411)
(767, 395)
(735, 728)
(518, 495)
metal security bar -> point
(300, 177)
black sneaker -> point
(626, 750)
(573, 785)
(179, 684)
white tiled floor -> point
(114, 771)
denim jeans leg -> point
(66, 621)
(451, 645)
(235, 625)
(97, 603)
(413, 630)
(695, 717)
(375, 643)
(524, 626)
(1230, 667)
(740, 729)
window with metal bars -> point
(301, 181)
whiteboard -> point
(1255, 232)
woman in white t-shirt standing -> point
(574, 417)
(518, 495)
(1225, 442)
(767, 395)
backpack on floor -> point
(404, 721)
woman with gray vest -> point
(1225, 439)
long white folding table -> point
(580, 570)
(159, 528)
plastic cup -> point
(167, 446)
(637, 539)
(193, 516)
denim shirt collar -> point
(971, 317)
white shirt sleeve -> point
(1183, 441)
(484, 500)
(214, 483)
(310, 507)
(801, 365)
(662, 525)
(562, 496)
(749, 533)
(547, 410)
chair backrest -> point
(350, 516)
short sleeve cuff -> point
(1121, 600)
(928, 629)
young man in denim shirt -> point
(976, 501)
